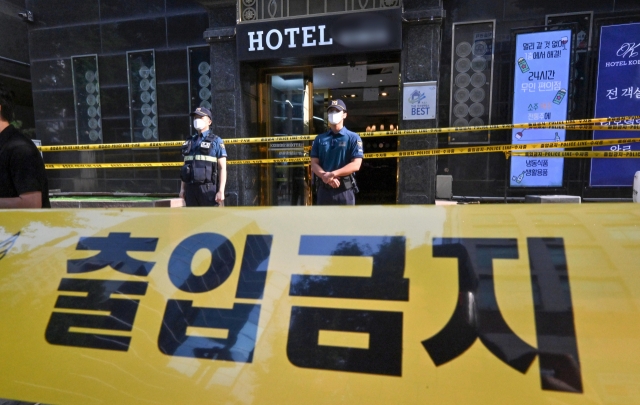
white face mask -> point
(335, 117)
(199, 124)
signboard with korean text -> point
(419, 100)
(617, 94)
(523, 304)
(541, 83)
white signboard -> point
(419, 101)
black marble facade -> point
(15, 73)
(484, 175)
(421, 39)
(110, 28)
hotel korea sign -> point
(379, 30)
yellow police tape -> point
(522, 304)
(516, 150)
(581, 154)
(568, 125)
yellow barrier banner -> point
(625, 124)
(522, 304)
(507, 148)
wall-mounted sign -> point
(618, 94)
(419, 101)
(379, 30)
(540, 90)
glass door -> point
(286, 112)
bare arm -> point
(181, 194)
(222, 167)
(32, 199)
(316, 168)
(348, 169)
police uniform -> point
(333, 152)
(200, 170)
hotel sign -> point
(379, 30)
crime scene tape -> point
(507, 148)
(581, 154)
(568, 125)
(468, 305)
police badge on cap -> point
(339, 104)
(202, 112)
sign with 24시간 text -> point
(541, 83)
(512, 304)
(618, 94)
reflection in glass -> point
(204, 81)
(199, 77)
(205, 94)
(472, 65)
(143, 108)
(204, 68)
(289, 115)
(86, 92)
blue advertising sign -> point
(540, 90)
(618, 94)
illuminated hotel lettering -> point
(274, 38)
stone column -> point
(234, 97)
(421, 41)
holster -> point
(346, 183)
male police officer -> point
(204, 173)
(335, 156)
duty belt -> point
(201, 157)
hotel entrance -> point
(294, 102)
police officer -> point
(335, 156)
(204, 173)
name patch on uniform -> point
(205, 145)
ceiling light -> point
(353, 95)
(383, 94)
(341, 82)
(380, 80)
(333, 74)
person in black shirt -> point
(23, 181)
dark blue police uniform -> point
(333, 152)
(200, 170)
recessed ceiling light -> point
(380, 80)
(353, 95)
(341, 82)
(333, 74)
(383, 94)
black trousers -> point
(200, 195)
(335, 196)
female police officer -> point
(204, 173)
(335, 156)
